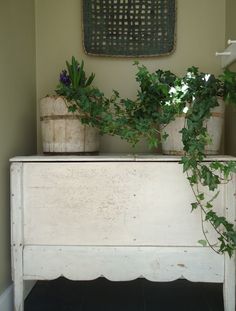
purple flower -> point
(64, 78)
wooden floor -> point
(138, 295)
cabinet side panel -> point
(229, 280)
(17, 239)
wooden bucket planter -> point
(173, 144)
(63, 132)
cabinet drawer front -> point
(110, 203)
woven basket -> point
(129, 28)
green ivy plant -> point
(79, 94)
(202, 97)
(161, 97)
(196, 94)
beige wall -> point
(17, 105)
(200, 33)
(230, 126)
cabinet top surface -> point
(113, 158)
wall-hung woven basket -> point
(129, 27)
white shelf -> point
(228, 56)
(109, 157)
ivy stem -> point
(203, 210)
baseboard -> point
(28, 286)
(6, 299)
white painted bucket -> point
(173, 144)
(63, 132)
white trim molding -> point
(6, 299)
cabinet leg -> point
(17, 234)
(19, 294)
(229, 297)
(229, 284)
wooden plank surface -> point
(229, 281)
(17, 238)
(110, 204)
(197, 264)
(113, 158)
(121, 217)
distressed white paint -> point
(105, 157)
(122, 263)
(110, 204)
(229, 281)
(17, 234)
(121, 217)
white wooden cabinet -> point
(121, 217)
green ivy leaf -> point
(193, 179)
(201, 196)
(209, 205)
(203, 243)
(165, 136)
(194, 206)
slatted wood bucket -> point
(63, 132)
(173, 144)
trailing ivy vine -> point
(161, 97)
(195, 95)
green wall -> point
(230, 125)
(17, 105)
(200, 33)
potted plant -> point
(161, 98)
(63, 129)
(192, 99)
(201, 94)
